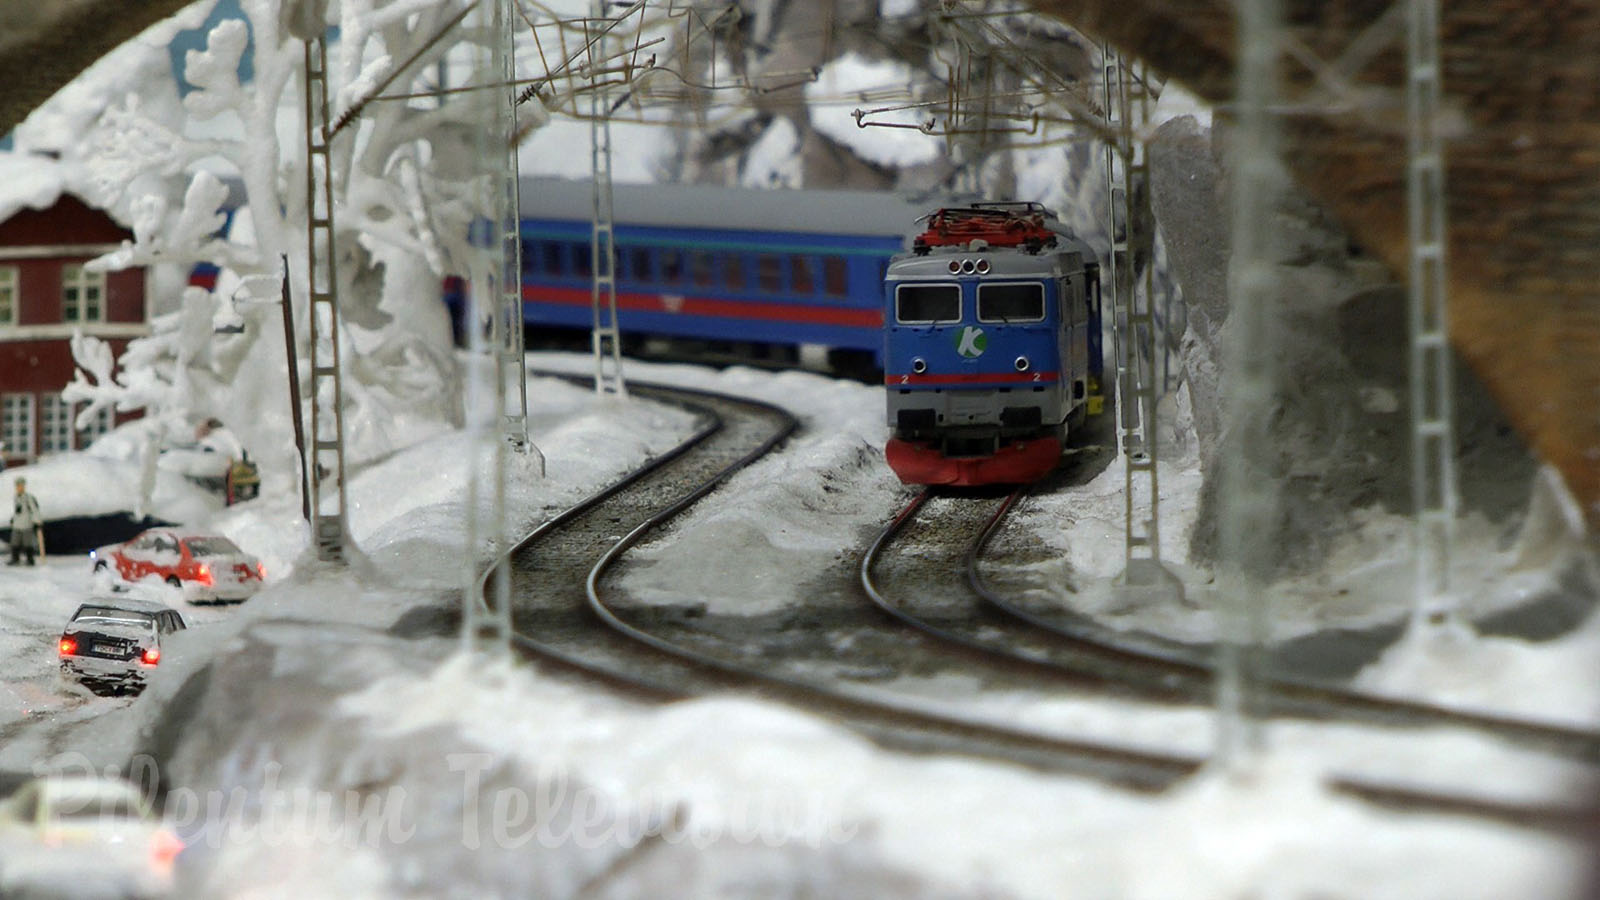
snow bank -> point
(307, 749)
(450, 775)
(82, 484)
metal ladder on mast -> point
(329, 523)
(486, 614)
(510, 365)
(1127, 99)
(1433, 472)
(606, 336)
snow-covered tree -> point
(403, 180)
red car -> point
(209, 567)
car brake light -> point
(69, 647)
(203, 574)
(261, 571)
(164, 849)
(152, 656)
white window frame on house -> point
(101, 422)
(83, 294)
(16, 424)
(55, 425)
(10, 295)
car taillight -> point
(164, 849)
(203, 574)
(152, 656)
(261, 571)
(68, 647)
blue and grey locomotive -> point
(991, 345)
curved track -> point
(991, 623)
(561, 615)
(563, 618)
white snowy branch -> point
(214, 72)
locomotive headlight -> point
(968, 267)
(983, 267)
(919, 365)
(1021, 364)
(955, 267)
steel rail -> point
(990, 650)
(906, 727)
(909, 726)
(1181, 677)
(1285, 694)
(695, 675)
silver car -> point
(110, 645)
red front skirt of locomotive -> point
(1017, 462)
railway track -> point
(565, 619)
(985, 621)
(562, 618)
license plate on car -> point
(106, 648)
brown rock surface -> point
(45, 45)
(1523, 180)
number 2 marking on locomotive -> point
(1037, 375)
(905, 379)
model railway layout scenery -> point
(867, 448)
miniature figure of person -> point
(212, 436)
(24, 525)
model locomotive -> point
(992, 349)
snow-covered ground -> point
(309, 751)
(459, 758)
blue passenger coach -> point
(720, 272)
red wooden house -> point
(46, 293)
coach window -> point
(551, 255)
(834, 279)
(1011, 302)
(733, 272)
(672, 266)
(801, 280)
(639, 264)
(925, 304)
(582, 261)
(769, 273)
(700, 268)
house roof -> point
(28, 181)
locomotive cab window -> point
(924, 304)
(1011, 302)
